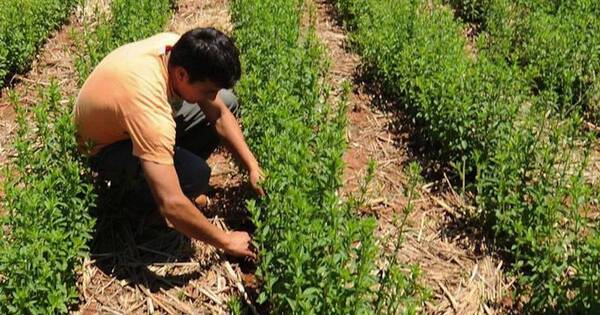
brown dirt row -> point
(464, 276)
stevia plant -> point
(316, 256)
(556, 46)
(533, 35)
(540, 202)
(47, 198)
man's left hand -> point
(256, 176)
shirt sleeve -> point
(153, 136)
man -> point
(153, 111)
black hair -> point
(207, 54)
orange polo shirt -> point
(127, 96)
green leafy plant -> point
(316, 256)
(24, 26)
(47, 198)
(555, 44)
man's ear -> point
(181, 75)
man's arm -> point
(185, 217)
(229, 131)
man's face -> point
(197, 92)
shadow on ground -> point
(128, 240)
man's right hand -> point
(239, 244)
(185, 217)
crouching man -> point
(154, 110)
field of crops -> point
(507, 108)
(503, 94)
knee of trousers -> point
(200, 176)
(230, 100)
(194, 175)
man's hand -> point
(239, 244)
(230, 133)
(256, 176)
(183, 215)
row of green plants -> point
(316, 256)
(46, 225)
(557, 46)
(523, 159)
(48, 186)
(460, 103)
(24, 26)
(554, 43)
